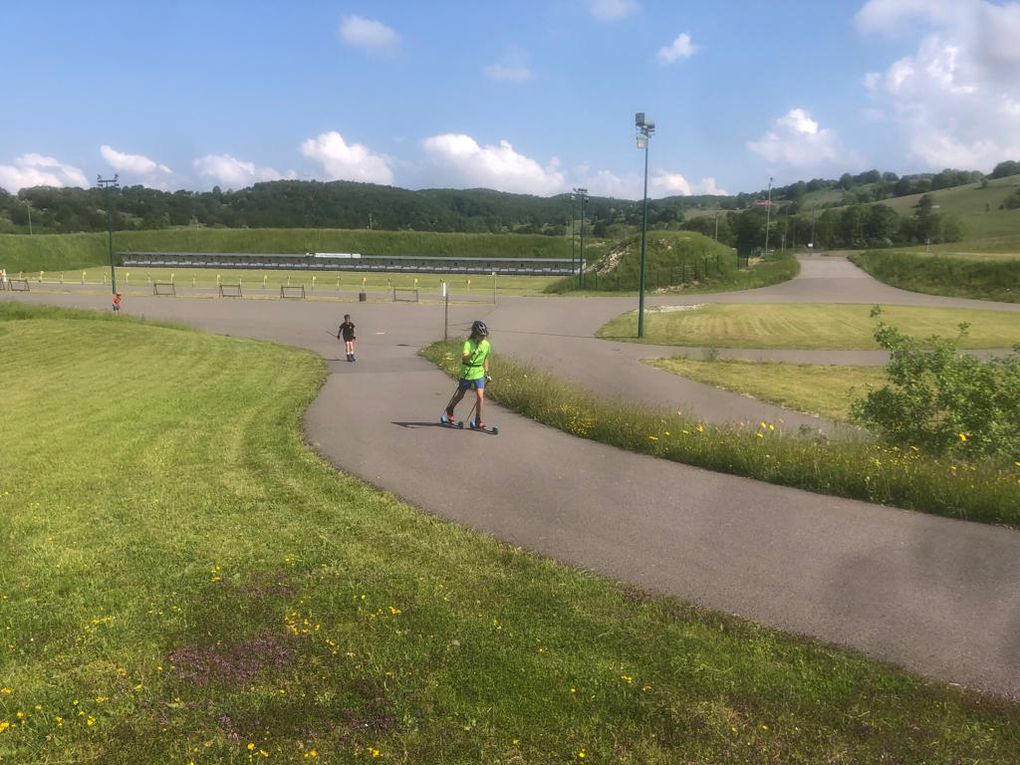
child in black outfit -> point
(346, 330)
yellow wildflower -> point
(963, 437)
(4, 725)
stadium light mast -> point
(28, 204)
(768, 217)
(645, 128)
(582, 195)
(107, 184)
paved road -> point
(937, 596)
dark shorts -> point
(478, 384)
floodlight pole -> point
(645, 129)
(28, 204)
(107, 184)
(582, 195)
(573, 235)
(768, 217)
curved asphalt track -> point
(937, 596)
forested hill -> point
(349, 205)
(313, 204)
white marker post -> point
(446, 313)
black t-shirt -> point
(347, 330)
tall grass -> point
(859, 469)
(676, 261)
(985, 279)
(182, 581)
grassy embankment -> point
(860, 469)
(74, 254)
(181, 581)
(820, 389)
(982, 278)
(676, 262)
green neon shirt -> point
(476, 353)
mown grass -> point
(821, 389)
(318, 282)
(67, 252)
(979, 278)
(182, 580)
(809, 326)
(859, 469)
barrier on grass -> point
(292, 292)
(230, 290)
(164, 288)
(406, 295)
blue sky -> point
(533, 97)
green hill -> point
(675, 260)
(59, 252)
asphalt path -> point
(937, 596)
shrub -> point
(944, 402)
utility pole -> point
(768, 217)
(107, 184)
(645, 129)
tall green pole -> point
(107, 184)
(644, 231)
(580, 264)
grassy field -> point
(821, 389)
(809, 326)
(976, 207)
(974, 276)
(324, 282)
(67, 252)
(182, 581)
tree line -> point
(350, 205)
(852, 227)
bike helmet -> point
(479, 329)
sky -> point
(534, 97)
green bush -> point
(944, 402)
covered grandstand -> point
(346, 261)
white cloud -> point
(464, 162)
(957, 98)
(348, 162)
(136, 164)
(682, 47)
(612, 10)
(368, 34)
(796, 140)
(666, 184)
(38, 170)
(513, 67)
(225, 170)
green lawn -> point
(324, 282)
(822, 389)
(809, 326)
(181, 581)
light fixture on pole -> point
(645, 129)
(573, 234)
(582, 195)
(108, 184)
(768, 217)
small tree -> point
(941, 401)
